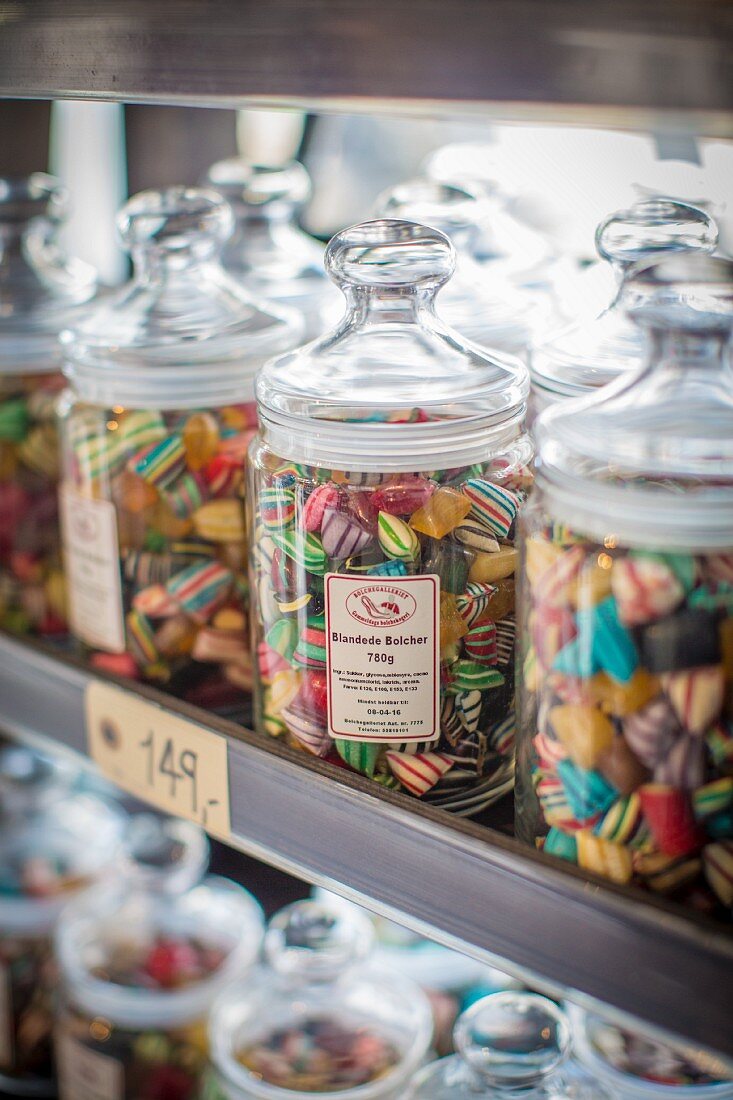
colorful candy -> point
(396, 539)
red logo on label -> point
(381, 605)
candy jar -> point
(590, 353)
(482, 307)
(268, 250)
(317, 1017)
(386, 479)
(141, 966)
(626, 758)
(54, 845)
(155, 429)
(633, 1066)
(40, 290)
(509, 1044)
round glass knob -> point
(168, 854)
(316, 940)
(244, 183)
(452, 209)
(654, 227)
(688, 292)
(36, 196)
(178, 220)
(390, 254)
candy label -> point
(86, 1075)
(383, 658)
(6, 1020)
(159, 757)
(93, 570)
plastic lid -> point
(40, 286)
(318, 980)
(53, 853)
(181, 333)
(613, 465)
(145, 957)
(268, 251)
(482, 309)
(509, 1044)
(392, 387)
(584, 356)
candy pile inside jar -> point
(627, 743)
(53, 846)
(156, 426)
(344, 555)
(314, 1019)
(40, 292)
(143, 963)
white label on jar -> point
(6, 1019)
(86, 1075)
(383, 654)
(92, 559)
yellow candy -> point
(452, 624)
(8, 461)
(200, 439)
(488, 568)
(623, 699)
(666, 874)
(39, 451)
(132, 494)
(220, 521)
(539, 556)
(444, 510)
(229, 618)
(164, 520)
(532, 674)
(55, 589)
(176, 636)
(285, 686)
(592, 586)
(584, 731)
(613, 861)
(501, 602)
(234, 417)
(726, 645)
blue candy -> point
(388, 569)
(587, 792)
(560, 844)
(603, 644)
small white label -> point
(6, 1019)
(92, 558)
(383, 658)
(86, 1075)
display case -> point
(661, 66)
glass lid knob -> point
(390, 254)
(513, 1039)
(168, 854)
(36, 196)
(244, 183)
(452, 209)
(689, 293)
(27, 777)
(187, 221)
(654, 227)
(317, 940)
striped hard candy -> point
(652, 731)
(697, 695)
(201, 588)
(468, 708)
(419, 772)
(283, 690)
(501, 735)
(277, 508)
(341, 536)
(315, 504)
(362, 756)
(557, 583)
(305, 549)
(311, 648)
(480, 643)
(645, 589)
(160, 463)
(506, 630)
(397, 539)
(472, 603)
(624, 823)
(451, 724)
(475, 536)
(684, 764)
(307, 730)
(493, 505)
(718, 866)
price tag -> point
(159, 757)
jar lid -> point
(481, 307)
(29, 779)
(587, 355)
(40, 286)
(268, 251)
(155, 947)
(614, 464)
(510, 1044)
(318, 1017)
(392, 387)
(181, 333)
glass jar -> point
(141, 966)
(626, 758)
(268, 251)
(509, 1044)
(40, 291)
(590, 353)
(636, 1067)
(54, 845)
(155, 426)
(385, 480)
(480, 304)
(318, 1018)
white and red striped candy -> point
(645, 589)
(420, 772)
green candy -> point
(283, 638)
(14, 420)
(306, 550)
(398, 541)
(720, 599)
(561, 845)
(362, 756)
(472, 676)
(154, 542)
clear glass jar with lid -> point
(482, 306)
(318, 1017)
(268, 250)
(142, 962)
(40, 291)
(511, 1044)
(385, 482)
(156, 425)
(625, 764)
(54, 846)
(590, 353)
